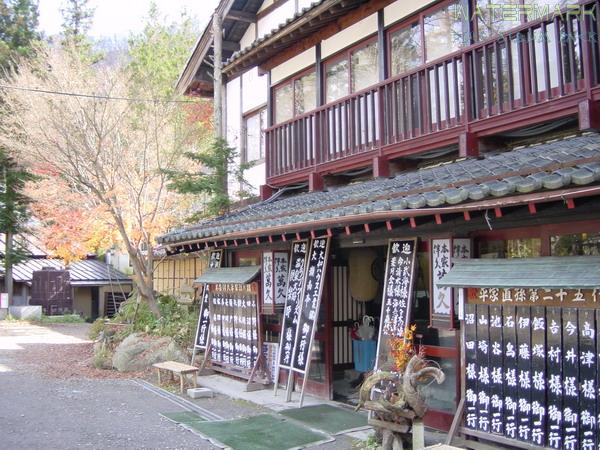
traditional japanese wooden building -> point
(466, 137)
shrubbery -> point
(176, 321)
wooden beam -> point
(298, 237)
(348, 231)
(312, 234)
(570, 203)
(388, 225)
(367, 228)
(467, 215)
(413, 223)
(438, 219)
(498, 212)
(242, 16)
(231, 46)
(283, 237)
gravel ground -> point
(52, 398)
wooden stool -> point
(177, 368)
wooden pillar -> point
(382, 44)
(589, 115)
(468, 145)
(266, 191)
(217, 30)
(319, 76)
(315, 182)
(381, 167)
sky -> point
(118, 18)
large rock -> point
(138, 352)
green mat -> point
(262, 432)
(327, 418)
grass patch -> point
(67, 318)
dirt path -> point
(52, 399)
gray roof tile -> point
(551, 165)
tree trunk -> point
(142, 277)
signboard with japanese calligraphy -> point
(310, 304)
(203, 327)
(274, 279)
(397, 295)
(295, 284)
(443, 253)
(531, 371)
(234, 328)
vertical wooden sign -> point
(496, 370)
(588, 391)
(510, 371)
(524, 374)
(483, 362)
(204, 317)
(203, 327)
(397, 295)
(538, 375)
(471, 370)
(291, 311)
(554, 377)
(570, 360)
(310, 306)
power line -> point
(92, 96)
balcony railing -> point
(539, 71)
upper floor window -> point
(429, 37)
(352, 71)
(495, 17)
(406, 49)
(443, 31)
(254, 136)
(296, 96)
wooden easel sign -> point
(203, 327)
(291, 312)
(397, 295)
(309, 310)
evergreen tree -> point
(18, 23)
(213, 162)
(78, 17)
(14, 213)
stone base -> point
(26, 312)
(200, 393)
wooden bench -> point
(177, 368)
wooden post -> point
(217, 30)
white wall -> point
(276, 17)
(401, 9)
(254, 90)
(349, 36)
(293, 65)
(233, 112)
(248, 37)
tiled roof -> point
(88, 272)
(274, 31)
(571, 161)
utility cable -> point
(93, 96)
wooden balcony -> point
(536, 73)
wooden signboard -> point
(397, 295)
(291, 311)
(309, 308)
(274, 281)
(443, 253)
(234, 332)
(203, 327)
(531, 372)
